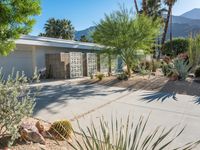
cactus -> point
(61, 130)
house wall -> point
(41, 51)
(19, 60)
(27, 57)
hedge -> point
(180, 45)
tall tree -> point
(16, 19)
(170, 4)
(58, 28)
(155, 8)
(124, 34)
(144, 6)
(152, 8)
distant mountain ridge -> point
(87, 32)
(183, 25)
(192, 14)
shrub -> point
(166, 68)
(91, 75)
(128, 135)
(194, 51)
(145, 65)
(180, 45)
(61, 129)
(197, 72)
(16, 102)
(122, 76)
(100, 76)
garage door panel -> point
(17, 60)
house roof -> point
(54, 42)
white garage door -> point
(19, 60)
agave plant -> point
(182, 68)
(128, 136)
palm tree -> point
(155, 9)
(170, 4)
(58, 28)
(144, 7)
(152, 8)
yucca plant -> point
(116, 135)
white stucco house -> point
(31, 50)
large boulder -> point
(29, 132)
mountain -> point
(183, 25)
(87, 32)
(192, 14)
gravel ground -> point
(157, 83)
(50, 144)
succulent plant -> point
(61, 130)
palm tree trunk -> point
(109, 65)
(166, 26)
(136, 6)
(171, 36)
(144, 6)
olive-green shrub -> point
(100, 76)
(122, 76)
(16, 102)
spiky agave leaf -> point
(115, 135)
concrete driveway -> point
(66, 100)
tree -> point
(84, 39)
(124, 34)
(155, 9)
(58, 28)
(170, 4)
(16, 19)
(152, 8)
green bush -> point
(16, 102)
(194, 51)
(122, 76)
(166, 68)
(197, 72)
(100, 76)
(180, 45)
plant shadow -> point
(159, 96)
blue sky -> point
(85, 13)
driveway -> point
(68, 100)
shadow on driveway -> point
(61, 94)
(159, 96)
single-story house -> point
(37, 52)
